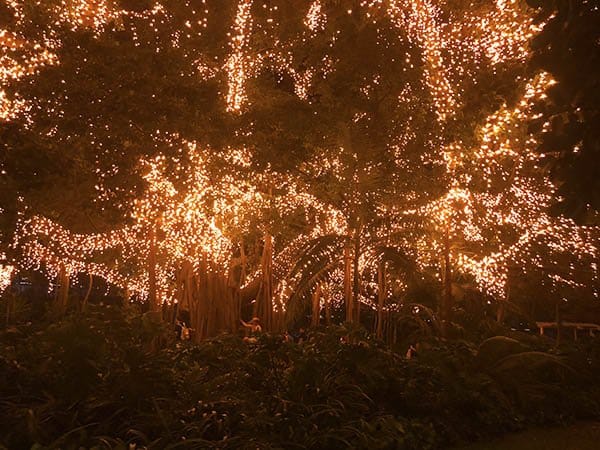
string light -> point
(6, 273)
(195, 221)
(496, 202)
(499, 203)
(238, 64)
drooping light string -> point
(195, 218)
(6, 273)
(18, 59)
(192, 216)
(201, 212)
(421, 19)
(239, 64)
(498, 205)
(315, 18)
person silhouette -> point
(253, 330)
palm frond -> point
(315, 262)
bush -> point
(113, 377)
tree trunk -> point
(62, 295)
(316, 306)
(87, 294)
(186, 295)
(152, 284)
(241, 281)
(173, 319)
(236, 279)
(380, 298)
(501, 312)
(356, 274)
(447, 296)
(9, 303)
(348, 283)
(327, 301)
(206, 292)
(558, 319)
(263, 307)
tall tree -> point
(339, 123)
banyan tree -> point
(268, 154)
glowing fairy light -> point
(94, 14)
(496, 202)
(421, 20)
(6, 273)
(238, 64)
(506, 32)
(315, 18)
(10, 108)
(499, 204)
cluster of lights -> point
(421, 20)
(239, 64)
(315, 18)
(18, 59)
(193, 219)
(87, 14)
(506, 32)
(6, 273)
(496, 202)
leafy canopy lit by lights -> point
(407, 152)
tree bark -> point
(348, 283)
(327, 301)
(356, 274)
(87, 294)
(501, 311)
(447, 296)
(316, 306)
(263, 308)
(62, 297)
(152, 284)
(380, 298)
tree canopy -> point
(300, 143)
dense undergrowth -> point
(111, 379)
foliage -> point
(569, 42)
(112, 377)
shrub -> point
(113, 377)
